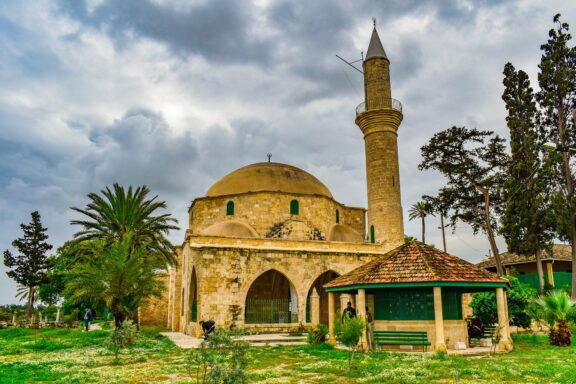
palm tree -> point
(118, 212)
(118, 274)
(419, 211)
(30, 294)
(556, 309)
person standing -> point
(87, 319)
(369, 329)
(349, 312)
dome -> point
(340, 232)
(269, 177)
(230, 229)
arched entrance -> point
(271, 299)
(318, 283)
(193, 297)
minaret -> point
(379, 118)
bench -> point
(402, 338)
(489, 333)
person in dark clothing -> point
(207, 327)
(87, 319)
(349, 312)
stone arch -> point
(193, 296)
(271, 299)
(317, 285)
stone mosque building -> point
(266, 239)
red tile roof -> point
(558, 252)
(416, 262)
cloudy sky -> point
(175, 94)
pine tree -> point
(557, 101)
(527, 223)
(473, 161)
(28, 268)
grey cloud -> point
(219, 31)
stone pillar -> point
(314, 307)
(331, 338)
(58, 314)
(439, 321)
(361, 313)
(344, 299)
(504, 344)
(550, 273)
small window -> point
(230, 208)
(372, 234)
(337, 216)
(294, 207)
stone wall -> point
(454, 330)
(226, 268)
(263, 210)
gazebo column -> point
(504, 344)
(331, 339)
(361, 312)
(439, 320)
(314, 307)
(550, 273)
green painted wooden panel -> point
(372, 235)
(563, 280)
(230, 208)
(404, 304)
(194, 310)
(294, 207)
(451, 304)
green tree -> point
(474, 164)
(348, 331)
(527, 222)
(29, 267)
(118, 274)
(119, 212)
(557, 101)
(440, 206)
(519, 296)
(420, 210)
(556, 309)
(58, 265)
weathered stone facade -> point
(226, 268)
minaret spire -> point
(379, 118)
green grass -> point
(72, 356)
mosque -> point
(269, 249)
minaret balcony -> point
(379, 103)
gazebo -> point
(417, 287)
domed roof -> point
(340, 232)
(230, 229)
(270, 177)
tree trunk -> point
(423, 230)
(443, 232)
(29, 304)
(540, 271)
(490, 232)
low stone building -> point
(556, 266)
(416, 287)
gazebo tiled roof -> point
(416, 263)
(558, 252)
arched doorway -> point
(271, 299)
(318, 283)
(193, 297)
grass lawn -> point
(71, 356)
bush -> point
(220, 359)
(122, 337)
(318, 334)
(519, 295)
(348, 332)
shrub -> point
(519, 295)
(220, 359)
(318, 334)
(348, 332)
(122, 337)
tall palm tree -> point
(30, 294)
(118, 212)
(419, 211)
(556, 309)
